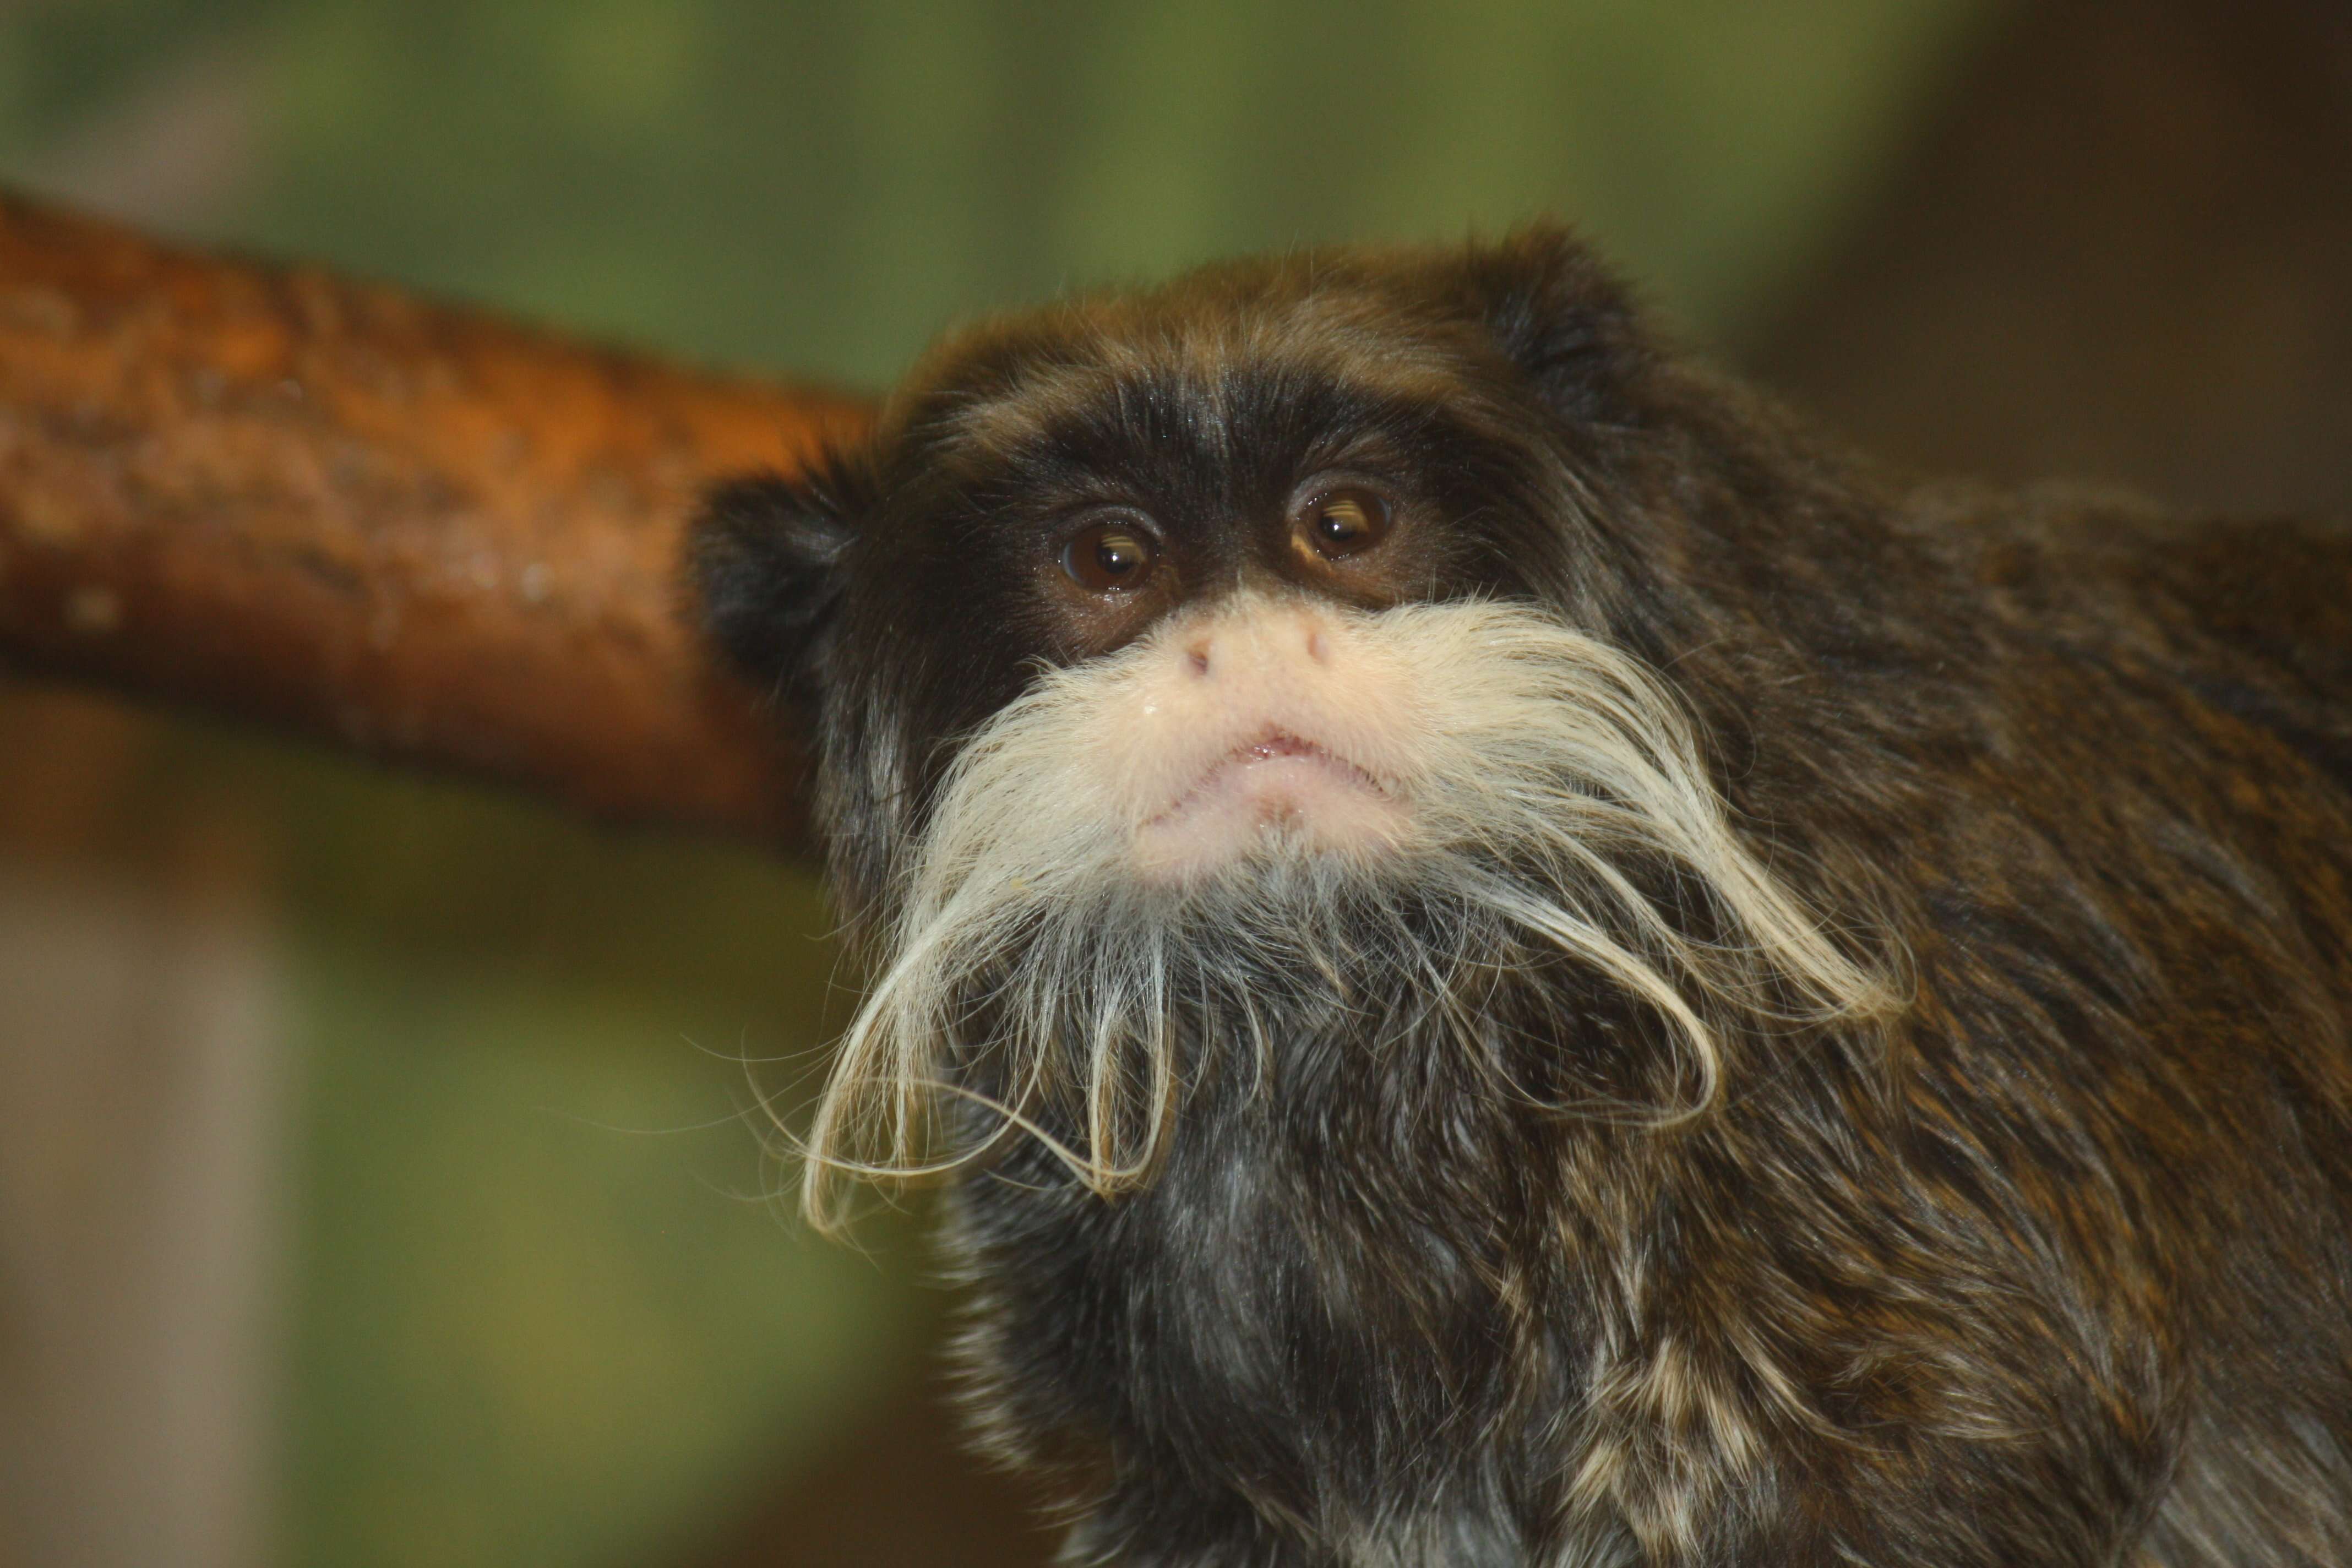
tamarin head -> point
(1289, 641)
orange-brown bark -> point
(419, 530)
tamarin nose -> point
(1212, 653)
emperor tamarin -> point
(1516, 960)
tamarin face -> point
(1057, 490)
(1213, 491)
(1277, 623)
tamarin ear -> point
(1561, 316)
(764, 566)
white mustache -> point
(1534, 766)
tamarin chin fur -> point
(1514, 959)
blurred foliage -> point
(819, 187)
(552, 1310)
(543, 1316)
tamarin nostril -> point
(1198, 654)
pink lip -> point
(1272, 746)
(1279, 743)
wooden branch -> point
(437, 537)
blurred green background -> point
(528, 1296)
(816, 189)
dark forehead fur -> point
(1415, 329)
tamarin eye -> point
(1343, 521)
(1111, 557)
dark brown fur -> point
(2053, 1268)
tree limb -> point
(437, 537)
